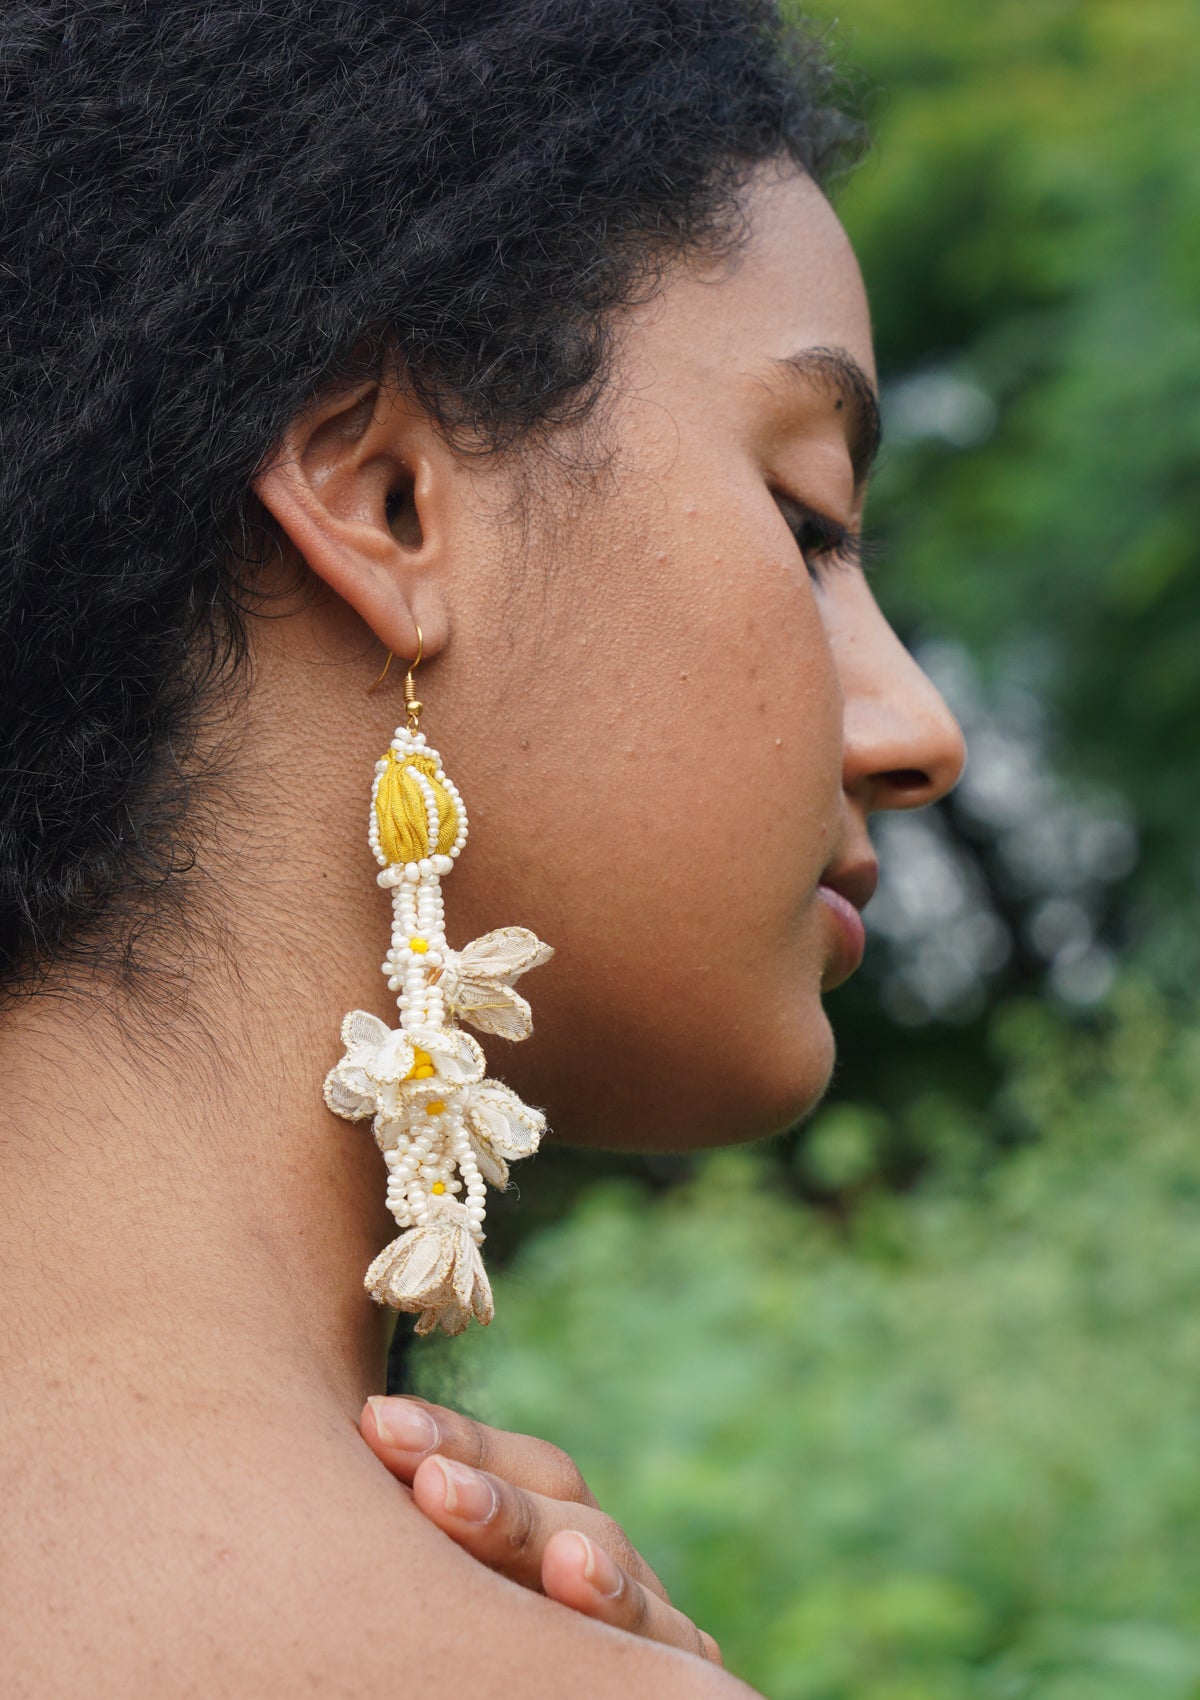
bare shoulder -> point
(225, 1567)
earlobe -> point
(359, 486)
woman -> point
(522, 338)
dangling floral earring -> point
(444, 1129)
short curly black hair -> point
(210, 207)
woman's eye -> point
(822, 541)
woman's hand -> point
(521, 1507)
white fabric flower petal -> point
(394, 1058)
(362, 1031)
(350, 1092)
(450, 1317)
(505, 954)
(468, 1270)
(376, 1058)
(478, 981)
(412, 1271)
(494, 1009)
(493, 1168)
(499, 1119)
(483, 1307)
(435, 1270)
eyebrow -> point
(836, 371)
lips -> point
(855, 881)
(846, 890)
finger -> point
(402, 1431)
(507, 1527)
(579, 1573)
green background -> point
(908, 1403)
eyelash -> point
(836, 546)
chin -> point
(784, 1084)
(764, 1080)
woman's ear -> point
(362, 486)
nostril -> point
(909, 781)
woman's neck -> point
(179, 1204)
(178, 1201)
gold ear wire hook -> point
(411, 703)
(371, 689)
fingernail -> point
(467, 1495)
(599, 1568)
(400, 1423)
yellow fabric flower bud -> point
(401, 813)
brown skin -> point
(666, 735)
(520, 1506)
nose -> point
(902, 746)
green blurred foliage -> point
(943, 1447)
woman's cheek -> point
(683, 1003)
(737, 937)
(685, 786)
